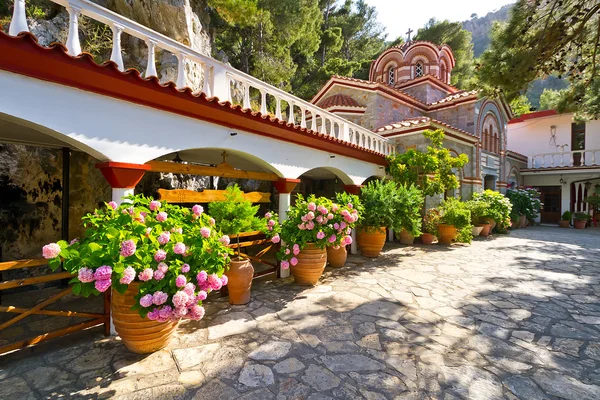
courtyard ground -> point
(514, 316)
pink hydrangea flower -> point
(348, 240)
(113, 205)
(141, 219)
(271, 222)
(154, 205)
(215, 282)
(301, 227)
(310, 216)
(312, 206)
(320, 235)
(296, 249)
(51, 250)
(161, 216)
(180, 312)
(293, 261)
(162, 267)
(275, 239)
(165, 313)
(146, 300)
(197, 209)
(332, 238)
(185, 268)
(164, 237)
(128, 276)
(268, 215)
(177, 230)
(287, 251)
(319, 219)
(343, 225)
(102, 273)
(196, 312)
(225, 240)
(85, 275)
(303, 218)
(205, 232)
(189, 288)
(212, 222)
(159, 298)
(202, 295)
(158, 275)
(146, 275)
(330, 216)
(310, 225)
(335, 207)
(345, 213)
(224, 280)
(102, 285)
(180, 281)
(350, 205)
(127, 248)
(179, 248)
(348, 231)
(73, 241)
(336, 226)
(160, 255)
(285, 265)
(180, 299)
(202, 277)
(153, 315)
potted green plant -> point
(455, 222)
(430, 222)
(340, 211)
(233, 216)
(580, 220)
(408, 210)
(478, 210)
(498, 212)
(159, 260)
(565, 220)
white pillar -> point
(390, 235)
(18, 23)
(354, 244)
(565, 198)
(181, 80)
(285, 200)
(73, 44)
(119, 193)
(151, 65)
(116, 55)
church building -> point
(409, 91)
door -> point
(577, 141)
(551, 198)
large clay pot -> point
(579, 224)
(140, 335)
(487, 228)
(240, 276)
(311, 264)
(477, 230)
(337, 257)
(446, 234)
(371, 241)
(406, 238)
(522, 221)
(427, 238)
(564, 224)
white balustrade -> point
(217, 77)
(573, 159)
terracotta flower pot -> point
(579, 224)
(140, 335)
(487, 228)
(427, 238)
(240, 276)
(476, 230)
(371, 241)
(406, 238)
(447, 233)
(522, 221)
(311, 264)
(337, 257)
(564, 224)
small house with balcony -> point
(563, 159)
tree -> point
(520, 105)
(430, 171)
(459, 39)
(544, 37)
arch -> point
(424, 51)
(323, 170)
(513, 176)
(443, 72)
(372, 178)
(491, 133)
(390, 55)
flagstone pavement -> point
(510, 317)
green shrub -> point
(431, 221)
(567, 216)
(524, 202)
(478, 210)
(499, 208)
(579, 216)
(457, 213)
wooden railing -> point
(217, 77)
(576, 158)
(93, 319)
(251, 239)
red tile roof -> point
(455, 96)
(533, 115)
(417, 121)
(338, 100)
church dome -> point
(413, 60)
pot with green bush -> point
(430, 222)
(526, 205)
(580, 220)
(236, 216)
(455, 222)
(498, 212)
(565, 220)
(344, 206)
(478, 211)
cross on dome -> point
(408, 34)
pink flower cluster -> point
(197, 210)
(161, 216)
(185, 303)
(51, 250)
(102, 276)
(128, 276)
(127, 248)
(154, 205)
(164, 237)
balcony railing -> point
(565, 159)
(219, 80)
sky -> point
(399, 15)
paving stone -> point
(524, 388)
(232, 323)
(215, 389)
(331, 333)
(561, 330)
(259, 394)
(370, 342)
(191, 379)
(342, 346)
(319, 378)
(15, 388)
(193, 356)
(587, 319)
(493, 330)
(592, 350)
(225, 363)
(382, 309)
(472, 383)
(557, 384)
(567, 346)
(133, 364)
(45, 379)
(95, 358)
(288, 366)
(271, 351)
(366, 328)
(171, 391)
(351, 362)
(256, 375)
(419, 292)
(524, 335)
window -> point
(577, 142)
(418, 70)
(391, 76)
(490, 138)
(443, 73)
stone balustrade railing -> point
(219, 80)
(576, 158)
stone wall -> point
(462, 116)
(426, 93)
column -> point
(353, 189)
(122, 178)
(285, 187)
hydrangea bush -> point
(176, 255)
(313, 220)
(499, 208)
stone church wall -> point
(462, 116)
(426, 93)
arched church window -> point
(443, 73)
(391, 76)
(419, 70)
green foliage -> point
(579, 216)
(430, 171)
(555, 100)
(344, 199)
(499, 208)
(235, 214)
(459, 40)
(520, 105)
(457, 213)
(479, 209)
(524, 202)
(431, 221)
(544, 38)
(567, 216)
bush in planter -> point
(567, 216)
(456, 213)
(581, 219)
(524, 202)
(175, 254)
(499, 208)
(478, 209)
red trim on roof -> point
(533, 115)
(338, 100)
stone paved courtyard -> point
(508, 317)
